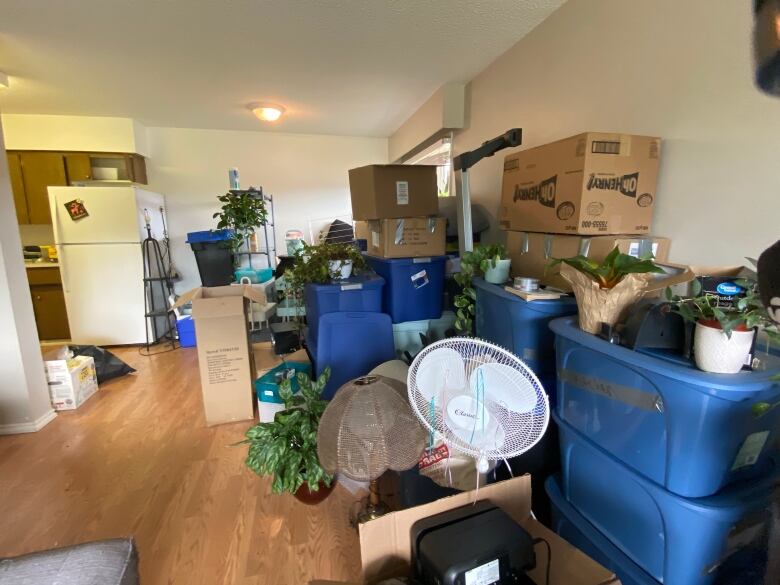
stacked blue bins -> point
(357, 294)
(413, 286)
(672, 465)
(747, 566)
(523, 328)
(352, 344)
(346, 329)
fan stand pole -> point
(373, 507)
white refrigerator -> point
(101, 261)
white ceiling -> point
(356, 67)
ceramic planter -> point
(310, 498)
(715, 352)
(500, 273)
(340, 269)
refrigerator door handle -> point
(63, 270)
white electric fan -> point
(478, 398)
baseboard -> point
(28, 427)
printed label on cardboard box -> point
(402, 192)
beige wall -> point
(307, 174)
(679, 70)
(24, 395)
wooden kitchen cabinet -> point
(33, 172)
(48, 300)
(41, 170)
(78, 167)
(17, 186)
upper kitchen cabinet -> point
(33, 172)
(78, 167)
(118, 167)
(40, 170)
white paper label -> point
(484, 574)
(402, 192)
(374, 239)
(750, 450)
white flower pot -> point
(499, 274)
(715, 352)
(340, 269)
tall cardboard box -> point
(71, 381)
(593, 183)
(392, 191)
(225, 360)
(532, 252)
(409, 237)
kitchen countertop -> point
(28, 264)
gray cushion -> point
(104, 562)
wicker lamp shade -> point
(369, 428)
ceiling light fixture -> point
(3, 80)
(267, 112)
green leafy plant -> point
(473, 264)
(287, 447)
(242, 212)
(747, 313)
(312, 266)
(615, 267)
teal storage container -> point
(267, 386)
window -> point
(440, 154)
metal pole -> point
(465, 233)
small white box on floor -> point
(267, 410)
(71, 381)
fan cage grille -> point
(516, 432)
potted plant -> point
(490, 261)
(605, 289)
(286, 448)
(242, 212)
(723, 336)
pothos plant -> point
(473, 264)
(613, 269)
(287, 447)
(242, 212)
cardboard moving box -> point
(592, 183)
(410, 237)
(532, 252)
(71, 381)
(385, 547)
(266, 360)
(392, 191)
(227, 370)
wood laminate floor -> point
(138, 460)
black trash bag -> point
(107, 365)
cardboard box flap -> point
(386, 550)
(673, 274)
(220, 307)
(246, 290)
(384, 543)
(735, 271)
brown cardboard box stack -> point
(395, 209)
(582, 195)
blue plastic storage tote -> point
(359, 293)
(186, 329)
(690, 431)
(352, 344)
(520, 326)
(745, 567)
(267, 388)
(573, 528)
(676, 540)
(413, 286)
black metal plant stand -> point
(158, 289)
